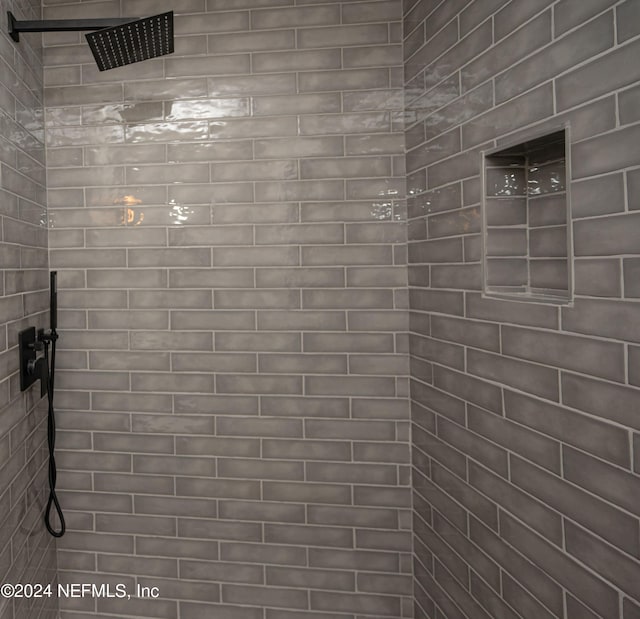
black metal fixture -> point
(33, 368)
(117, 42)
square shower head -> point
(132, 42)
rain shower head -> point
(132, 42)
(116, 42)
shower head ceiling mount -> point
(116, 42)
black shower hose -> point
(51, 439)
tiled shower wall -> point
(27, 553)
(228, 225)
(525, 415)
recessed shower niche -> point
(526, 222)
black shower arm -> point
(62, 25)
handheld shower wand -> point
(33, 368)
(49, 339)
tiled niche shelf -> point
(526, 221)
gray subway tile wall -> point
(281, 390)
(525, 430)
(228, 224)
(27, 552)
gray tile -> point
(626, 20)
(623, 571)
(238, 426)
(569, 13)
(426, 54)
(465, 548)
(168, 382)
(439, 450)
(309, 578)
(343, 79)
(536, 580)
(251, 41)
(430, 349)
(360, 516)
(220, 572)
(368, 430)
(197, 23)
(463, 221)
(229, 488)
(597, 196)
(256, 299)
(549, 242)
(604, 440)
(354, 603)
(611, 483)
(301, 60)
(530, 445)
(604, 400)
(511, 17)
(599, 278)
(526, 109)
(347, 299)
(168, 424)
(161, 608)
(531, 378)
(265, 511)
(633, 184)
(466, 494)
(333, 494)
(338, 537)
(597, 77)
(341, 36)
(351, 473)
(628, 101)
(459, 166)
(245, 85)
(309, 364)
(469, 388)
(634, 365)
(576, 609)
(631, 610)
(456, 109)
(437, 148)
(263, 342)
(468, 276)
(262, 553)
(476, 334)
(464, 598)
(353, 559)
(291, 406)
(603, 359)
(600, 317)
(265, 596)
(474, 446)
(215, 529)
(581, 582)
(551, 275)
(347, 342)
(440, 250)
(506, 242)
(298, 16)
(606, 521)
(608, 153)
(206, 445)
(591, 39)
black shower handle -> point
(53, 301)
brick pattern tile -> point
(525, 428)
(229, 227)
(27, 551)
